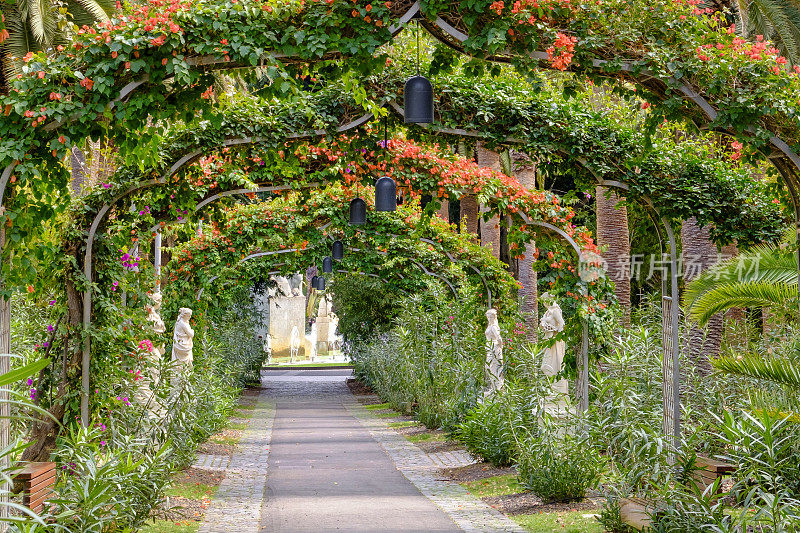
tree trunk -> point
(444, 211)
(613, 234)
(45, 430)
(698, 254)
(490, 230)
(525, 171)
(78, 170)
(469, 215)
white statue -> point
(152, 359)
(154, 316)
(311, 343)
(182, 342)
(294, 344)
(268, 348)
(552, 323)
(494, 354)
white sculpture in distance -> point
(552, 323)
(494, 354)
(182, 339)
(294, 344)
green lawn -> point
(377, 407)
(168, 526)
(562, 522)
(404, 424)
(192, 491)
(494, 486)
(420, 437)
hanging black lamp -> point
(314, 282)
(418, 108)
(321, 283)
(327, 265)
(358, 212)
(385, 194)
(337, 250)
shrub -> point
(491, 429)
(558, 468)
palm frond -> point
(779, 21)
(90, 11)
(781, 371)
(751, 294)
(765, 264)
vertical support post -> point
(5, 422)
(157, 260)
(671, 343)
(582, 385)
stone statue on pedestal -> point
(182, 342)
(494, 354)
(552, 323)
(154, 316)
(152, 358)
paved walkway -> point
(313, 459)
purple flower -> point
(45, 344)
(106, 186)
(102, 443)
(50, 328)
(30, 382)
(52, 302)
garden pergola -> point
(453, 23)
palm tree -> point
(764, 277)
(698, 255)
(521, 166)
(36, 25)
(490, 230)
(613, 235)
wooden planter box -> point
(37, 481)
(636, 512)
(708, 470)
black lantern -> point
(337, 250)
(327, 265)
(385, 194)
(418, 93)
(314, 282)
(418, 101)
(358, 212)
(321, 283)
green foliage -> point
(558, 468)
(755, 365)
(491, 430)
(764, 277)
(365, 306)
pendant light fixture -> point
(385, 188)
(418, 92)
(358, 212)
(321, 283)
(314, 281)
(337, 250)
(327, 265)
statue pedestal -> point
(323, 332)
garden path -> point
(326, 472)
(314, 459)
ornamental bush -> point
(558, 468)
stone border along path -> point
(469, 512)
(236, 506)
